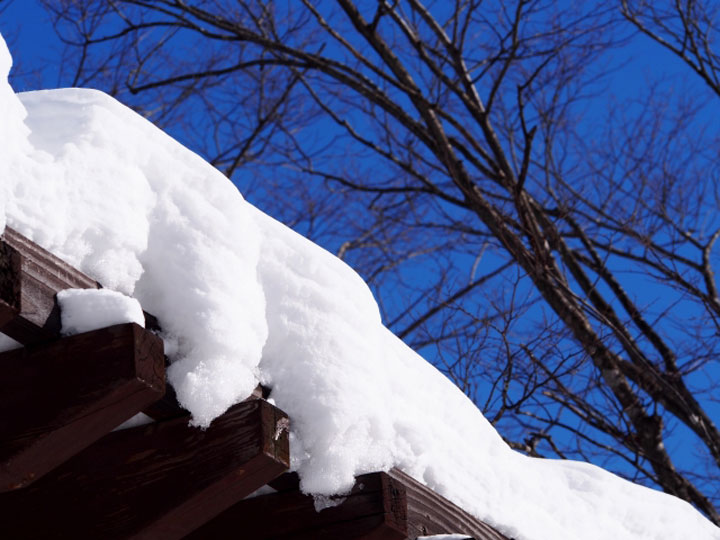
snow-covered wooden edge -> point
(62, 470)
(29, 279)
(165, 479)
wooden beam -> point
(58, 398)
(30, 276)
(429, 513)
(10, 267)
(374, 510)
(158, 481)
(382, 506)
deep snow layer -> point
(242, 298)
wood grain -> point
(60, 397)
(30, 276)
(430, 513)
(381, 506)
(158, 481)
(374, 510)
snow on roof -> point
(242, 298)
(83, 310)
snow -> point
(445, 537)
(8, 344)
(110, 194)
(13, 132)
(323, 502)
(264, 490)
(140, 419)
(82, 310)
(241, 298)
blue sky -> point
(32, 41)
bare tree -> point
(554, 259)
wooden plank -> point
(429, 513)
(60, 397)
(158, 481)
(374, 510)
(9, 285)
(30, 277)
(380, 506)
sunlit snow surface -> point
(242, 298)
(82, 310)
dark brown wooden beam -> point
(58, 398)
(158, 481)
(10, 268)
(380, 506)
(374, 510)
(30, 277)
(429, 513)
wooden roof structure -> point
(64, 472)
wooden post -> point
(60, 397)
